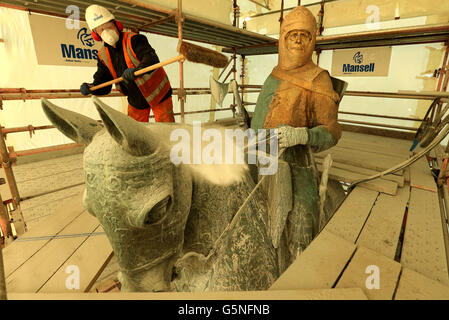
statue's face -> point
(298, 41)
(300, 46)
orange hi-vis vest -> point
(154, 86)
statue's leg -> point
(284, 257)
(303, 220)
(334, 198)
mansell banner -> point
(55, 44)
(365, 62)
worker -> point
(299, 100)
(122, 55)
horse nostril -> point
(157, 213)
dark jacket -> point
(145, 53)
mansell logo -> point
(78, 54)
(358, 58)
(85, 37)
(97, 17)
(358, 67)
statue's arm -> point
(327, 131)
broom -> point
(187, 51)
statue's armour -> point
(293, 102)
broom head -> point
(202, 55)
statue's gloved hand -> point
(289, 136)
(241, 119)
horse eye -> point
(158, 212)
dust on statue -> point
(169, 225)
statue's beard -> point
(296, 58)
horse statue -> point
(172, 227)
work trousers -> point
(163, 112)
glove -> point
(84, 89)
(289, 136)
(128, 75)
(240, 120)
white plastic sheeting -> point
(215, 10)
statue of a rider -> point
(297, 98)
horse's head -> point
(130, 187)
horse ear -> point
(75, 126)
(134, 137)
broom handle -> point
(142, 71)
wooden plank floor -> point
(397, 235)
(49, 182)
(358, 156)
(39, 260)
(424, 248)
(415, 286)
(61, 233)
(383, 228)
(355, 275)
(319, 266)
(315, 294)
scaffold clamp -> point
(23, 91)
(32, 131)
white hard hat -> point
(97, 15)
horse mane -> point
(219, 174)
